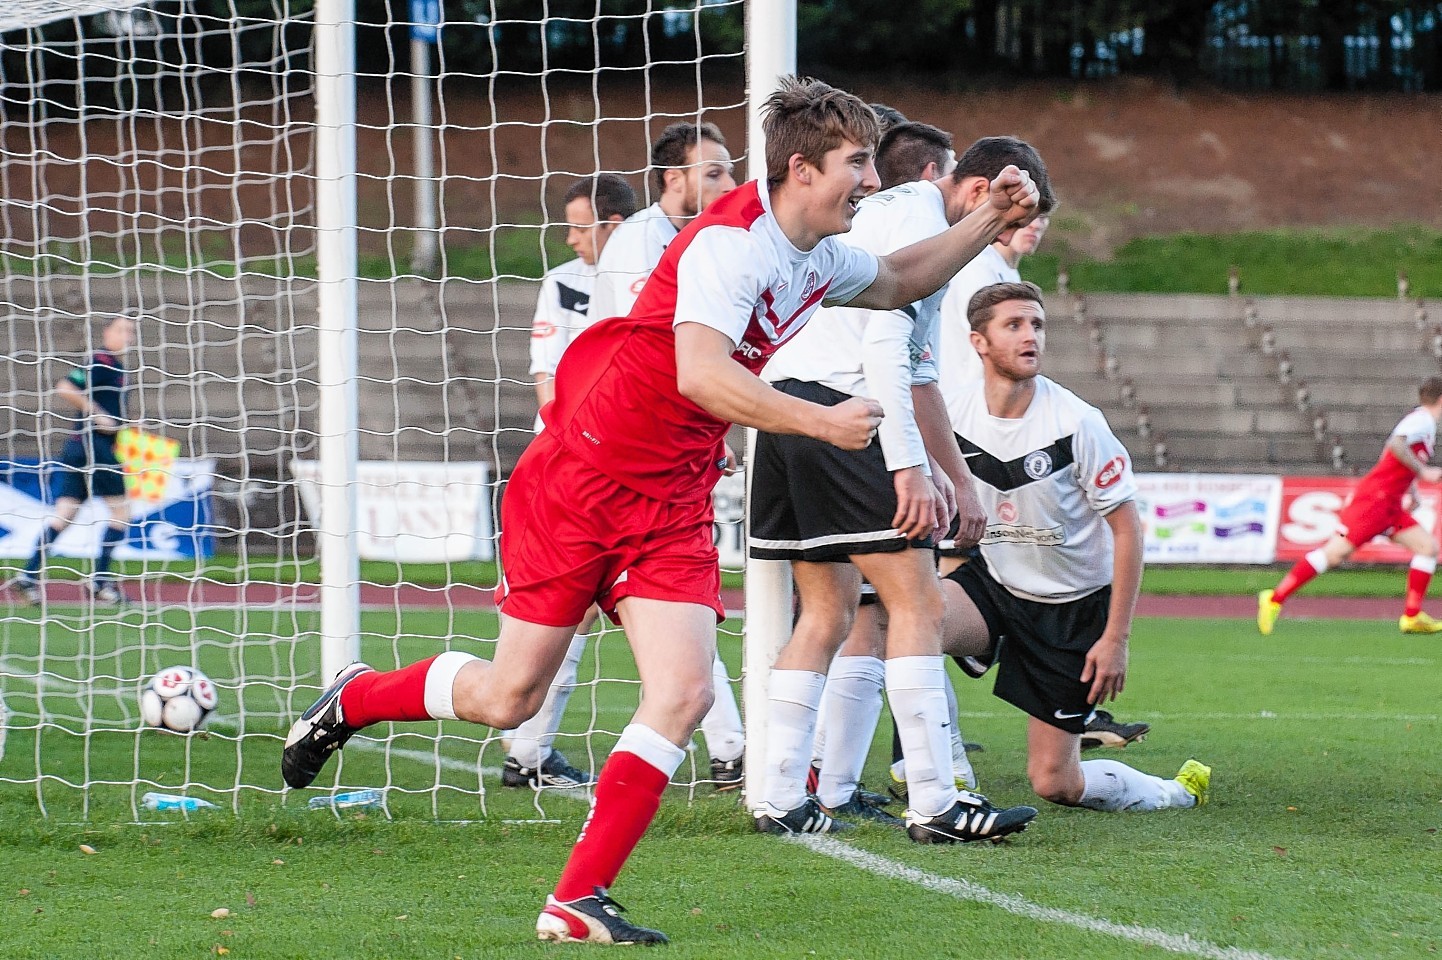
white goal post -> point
(243, 178)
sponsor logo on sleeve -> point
(542, 329)
(1110, 473)
(638, 285)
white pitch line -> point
(966, 890)
(1152, 717)
(45, 681)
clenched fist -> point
(852, 423)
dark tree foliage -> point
(1252, 44)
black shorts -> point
(947, 547)
(812, 501)
(83, 477)
(1042, 647)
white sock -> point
(795, 697)
(650, 746)
(530, 743)
(960, 762)
(1318, 559)
(1111, 785)
(725, 739)
(850, 707)
(439, 694)
(918, 704)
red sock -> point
(395, 695)
(1417, 583)
(628, 794)
(1302, 572)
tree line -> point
(1317, 45)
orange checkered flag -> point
(147, 459)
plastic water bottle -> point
(350, 800)
(170, 801)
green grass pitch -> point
(1321, 840)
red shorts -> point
(1365, 517)
(571, 536)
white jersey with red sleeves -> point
(627, 259)
(561, 313)
(732, 269)
(958, 360)
(879, 354)
(1046, 481)
(1391, 477)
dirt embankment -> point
(1128, 157)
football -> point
(178, 699)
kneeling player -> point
(1061, 560)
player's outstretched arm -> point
(919, 270)
(1106, 662)
(1397, 443)
(708, 377)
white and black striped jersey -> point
(562, 312)
(630, 254)
(1046, 480)
(955, 355)
(879, 354)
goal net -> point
(187, 163)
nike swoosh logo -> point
(968, 456)
(1067, 716)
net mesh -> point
(157, 162)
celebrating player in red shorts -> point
(1381, 505)
(612, 503)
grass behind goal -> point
(76, 744)
(1321, 840)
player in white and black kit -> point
(851, 702)
(594, 207)
(690, 167)
(820, 508)
(1061, 560)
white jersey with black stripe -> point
(626, 262)
(562, 312)
(1046, 480)
(880, 354)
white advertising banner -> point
(1209, 518)
(729, 534)
(415, 512)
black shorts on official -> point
(1042, 647)
(83, 476)
(812, 501)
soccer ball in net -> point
(178, 699)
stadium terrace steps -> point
(1197, 366)
(233, 370)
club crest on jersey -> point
(1037, 465)
(810, 286)
(1006, 511)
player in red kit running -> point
(1381, 504)
(611, 504)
